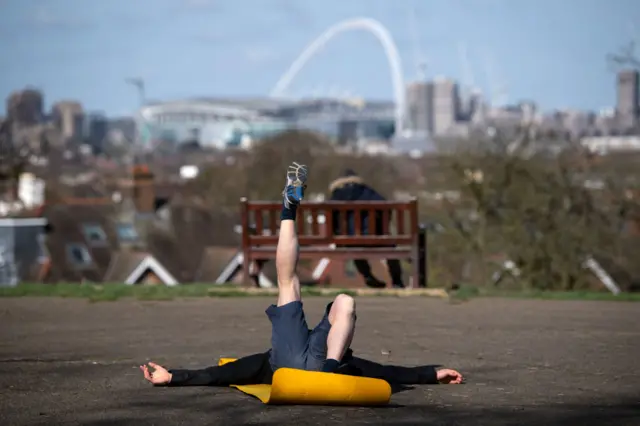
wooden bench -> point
(401, 238)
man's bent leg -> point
(331, 339)
(343, 326)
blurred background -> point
(132, 128)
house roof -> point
(223, 264)
(66, 231)
(110, 261)
(22, 221)
(191, 230)
(213, 263)
(178, 242)
(122, 264)
(152, 264)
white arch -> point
(390, 50)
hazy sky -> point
(552, 51)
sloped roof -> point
(123, 264)
(214, 260)
(65, 222)
(150, 263)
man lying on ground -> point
(256, 369)
(293, 344)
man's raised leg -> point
(286, 260)
(287, 249)
(289, 330)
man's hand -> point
(160, 375)
(449, 377)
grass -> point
(469, 292)
(110, 292)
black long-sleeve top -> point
(256, 369)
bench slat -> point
(340, 253)
(334, 205)
(363, 240)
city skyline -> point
(72, 51)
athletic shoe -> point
(296, 184)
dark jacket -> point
(256, 369)
(353, 188)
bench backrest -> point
(395, 221)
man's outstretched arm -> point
(252, 369)
(394, 374)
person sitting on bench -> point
(351, 187)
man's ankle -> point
(373, 282)
(330, 366)
(289, 213)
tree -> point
(538, 211)
(14, 158)
(625, 57)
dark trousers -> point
(395, 375)
(362, 265)
(395, 269)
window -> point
(78, 255)
(126, 232)
(94, 234)
(8, 269)
(3, 252)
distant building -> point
(96, 131)
(507, 116)
(347, 133)
(475, 108)
(228, 122)
(608, 144)
(577, 123)
(25, 107)
(21, 247)
(628, 106)
(125, 126)
(529, 112)
(605, 123)
(376, 130)
(219, 122)
(68, 118)
(420, 107)
(414, 145)
(168, 135)
(31, 191)
(446, 105)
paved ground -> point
(527, 362)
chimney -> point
(144, 196)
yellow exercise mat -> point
(299, 387)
